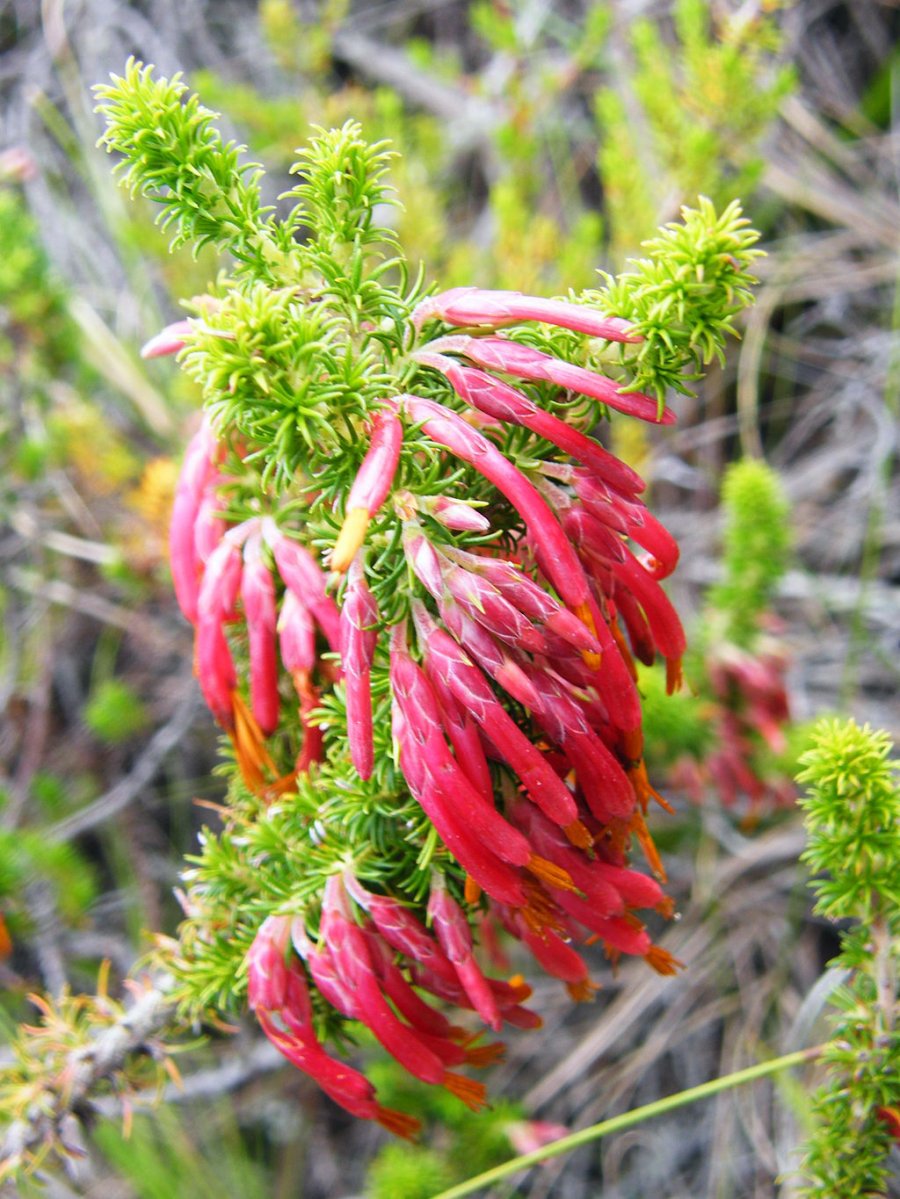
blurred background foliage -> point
(537, 142)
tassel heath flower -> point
(419, 585)
(502, 652)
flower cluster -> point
(747, 712)
(521, 657)
(419, 586)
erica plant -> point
(419, 585)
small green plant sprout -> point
(114, 712)
(756, 549)
(418, 586)
(852, 807)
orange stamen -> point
(640, 830)
(623, 648)
(633, 744)
(586, 616)
(472, 1093)
(350, 538)
(550, 873)
(674, 676)
(253, 759)
(579, 835)
(481, 1056)
(662, 961)
(398, 1123)
(582, 991)
(541, 914)
(471, 891)
(644, 790)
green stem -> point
(627, 1119)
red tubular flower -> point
(508, 997)
(464, 737)
(370, 487)
(496, 658)
(453, 933)
(605, 784)
(665, 627)
(215, 605)
(493, 875)
(423, 1017)
(476, 306)
(313, 749)
(278, 989)
(555, 956)
(445, 660)
(436, 773)
(258, 595)
(358, 621)
(600, 892)
(349, 951)
(512, 358)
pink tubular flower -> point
(258, 594)
(216, 603)
(358, 625)
(527, 1136)
(512, 358)
(197, 469)
(496, 659)
(266, 969)
(475, 306)
(485, 603)
(169, 340)
(402, 930)
(443, 777)
(296, 636)
(446, 661)
(530, 599)
(370, 487)
(454, 514)
(210, 526)
(498, 399)
(303, 575)
(557, 558)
